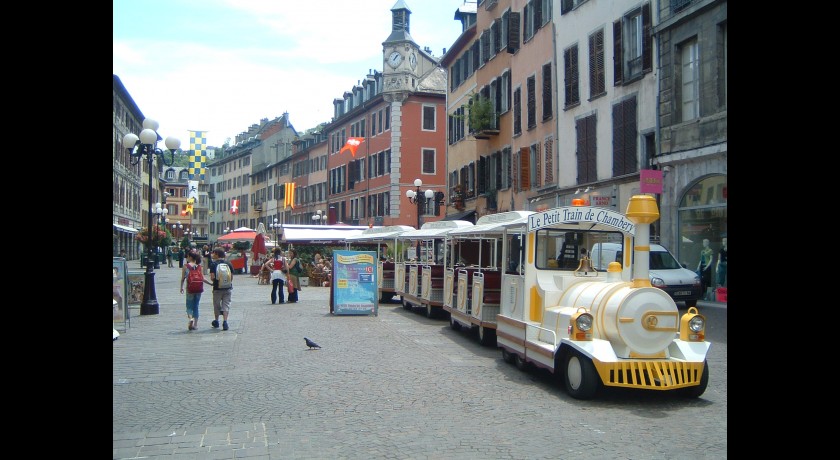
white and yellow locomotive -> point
(593, 328)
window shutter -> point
(525, 168)
(513, 32)
(618, 54)
(532, 103)
(517, 111)
(537, 6)
(481, 180)
(549, 160)
(647, 39)
(548, 110)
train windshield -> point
(561, 249)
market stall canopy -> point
(319, 234)
(240, 234)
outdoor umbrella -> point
(258, 247)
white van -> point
(682, 284)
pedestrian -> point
(278, 275)
(193, 298)
(221, 295)
(180, 257)
(169, 257)
(205, 254)
(295, 270)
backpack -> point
(224, 276)
(195, 280)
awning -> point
(239, 235)
(469, 216)
(319, 234)
(380, 233)
(125, 229)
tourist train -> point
(525, 282)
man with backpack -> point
(221, 277)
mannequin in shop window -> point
(721, 264)
(704, 267)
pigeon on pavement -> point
(311, 344)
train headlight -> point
(693, 326)
(580, 325)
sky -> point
(221, 66)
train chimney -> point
(642, 211)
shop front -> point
(702, 217)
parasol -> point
(259, 245)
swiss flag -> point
(234, 206)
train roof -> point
(495, 223)
(433, 229)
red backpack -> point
(195, 280)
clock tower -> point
(399, 55)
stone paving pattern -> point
(393, 386)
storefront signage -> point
(650, 181)
(571, 214)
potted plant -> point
(458, 197)
(482, 117)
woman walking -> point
(192, 270)
(295, 270)
(278, 275)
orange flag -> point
(289, 198)
(352, 144)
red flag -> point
(352, 144)
(234, 206)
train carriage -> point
(486, 257)
(422, 269)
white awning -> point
(322, 235)
(125, 229)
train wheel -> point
(520, 363)
(486, 337)
(582, 379)
(696, 391)
(507, 356)
(455, 325)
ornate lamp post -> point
(418, 199)
(276, 227)
(146, 144)
(318, 217)
(180, 229)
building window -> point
(428, 118)
(586, 149)
(633, 41)
(517, 111)
(571, 85)
(688, 76)
(428, 161)
(597, 83)
(625, 151)
(532, 102)
(547, 111)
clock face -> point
(412, 60)
(394, 59)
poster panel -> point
(355, 283)
(120, 281)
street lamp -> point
(417, 198)
(180, 229)
(146, 144)
(318, 217)
(160, 212)
(276, 226)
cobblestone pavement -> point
(393, 386)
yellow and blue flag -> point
(197, 158)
